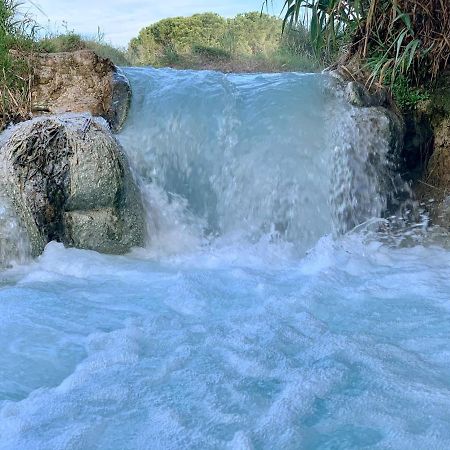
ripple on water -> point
(345, 348)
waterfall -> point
(279, 157)
(270, 309)
(284, 155)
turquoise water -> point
(226, 332)
(345, 348)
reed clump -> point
(409, 38)
(393, 39)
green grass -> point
(406, 95)
(16, 45)
(286, 60)
(70, 41)
(105, 50)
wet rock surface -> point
(69, 181)
(434, 186)
(366, 181)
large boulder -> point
(80, 81)
(69, 181)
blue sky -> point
(121, 20)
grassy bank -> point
(210, 59)
(71, 41)
(249, 42)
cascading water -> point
(223, 333)
(14, 243)
(255, 154)
(15, 246)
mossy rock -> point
(68, 176)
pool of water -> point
(228, 346)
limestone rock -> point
(358, 95)
(365, 179)
(356, 92)
(80, 81)
(69, 181)
(434, 188)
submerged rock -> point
(69, 181)
(80, 81)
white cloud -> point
(121, 20)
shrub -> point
(170, 56)
(210, 41)
(181, 33)
(213, 53)
(252, 33)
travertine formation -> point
(434, 188)
(80, 81)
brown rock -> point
(80, 81)
(434, 188)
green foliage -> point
(180, 33)
(207, 40)
(16, 43)
(167, 39)
(329, 22)
(297, 41)
(213, 53)
(252, 33)
(170, 56)
(68, 42)
(408, 38)
(407, 96)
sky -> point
(121, 20)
